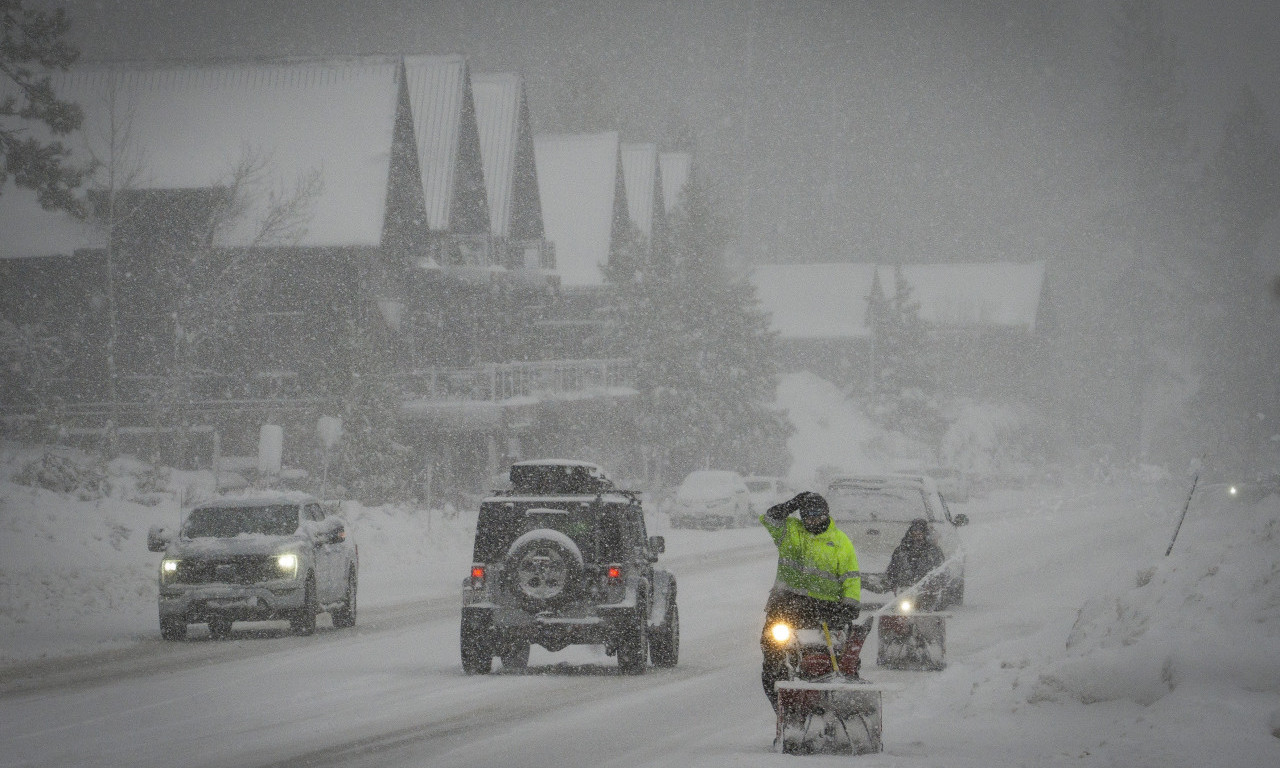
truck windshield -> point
(228, 522)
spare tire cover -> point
(543, 566)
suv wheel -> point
(220, 628)
(516, 656)
(173, 628)
(345, 616)
(633, 644)
(476, 657)
(664, 644)
(304, 621)
(544, 567)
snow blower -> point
(824, 706)
(910, 638)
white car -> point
(874, 511)
(764, 492)
(710, 499)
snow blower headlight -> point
(781, 632)
(906, 606)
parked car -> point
(711, 499)
(763, 492)
(874, 511)
(953, 484)
(256, 558)
(561, 558)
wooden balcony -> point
(498, 382)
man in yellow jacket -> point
(817, 578)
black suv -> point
(563, 558)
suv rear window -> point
(229, 522)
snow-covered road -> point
(392, 693)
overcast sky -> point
(892, 131)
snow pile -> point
(1207, 615)
(829, 431)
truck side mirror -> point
(158, 539)
(657, 545)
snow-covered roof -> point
(498, 102)
(191, 124)
(578, 182)
(676, 167)
(506, 146)
(444, 124)
(644, 185)
(817, 301)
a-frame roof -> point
(190, 125)
(448, 139)
(676, 167)
(816, 301)
(581, 190)
(506, 146)
(643, 178)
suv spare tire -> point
(543, 568)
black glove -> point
(799, 501)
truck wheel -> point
(345, 616)
(476, 656)
(664, 644)
(220, 628)
(304, 621)
(516, 656)
(172, 628)
(633, 645)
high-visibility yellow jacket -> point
(823, 566)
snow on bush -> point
(986, 438)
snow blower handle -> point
(831, 651)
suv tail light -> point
(477, 576)
(613, 573)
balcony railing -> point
(503, 381)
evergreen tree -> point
(373, 465)
(1147, 320)
(1242, 191)
(703, 352)
(32, 43)
(903, 396)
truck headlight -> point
(288, 564)
(168, 570)
(781, 633)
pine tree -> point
(31, 44)
(903, 396)
(702, 349)
(1147, 321)
(1240, 362)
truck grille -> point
(241, 569)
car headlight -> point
(905, 606)
(287, 562)
(168, 569)
(781, 632)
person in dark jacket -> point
(914, 557)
